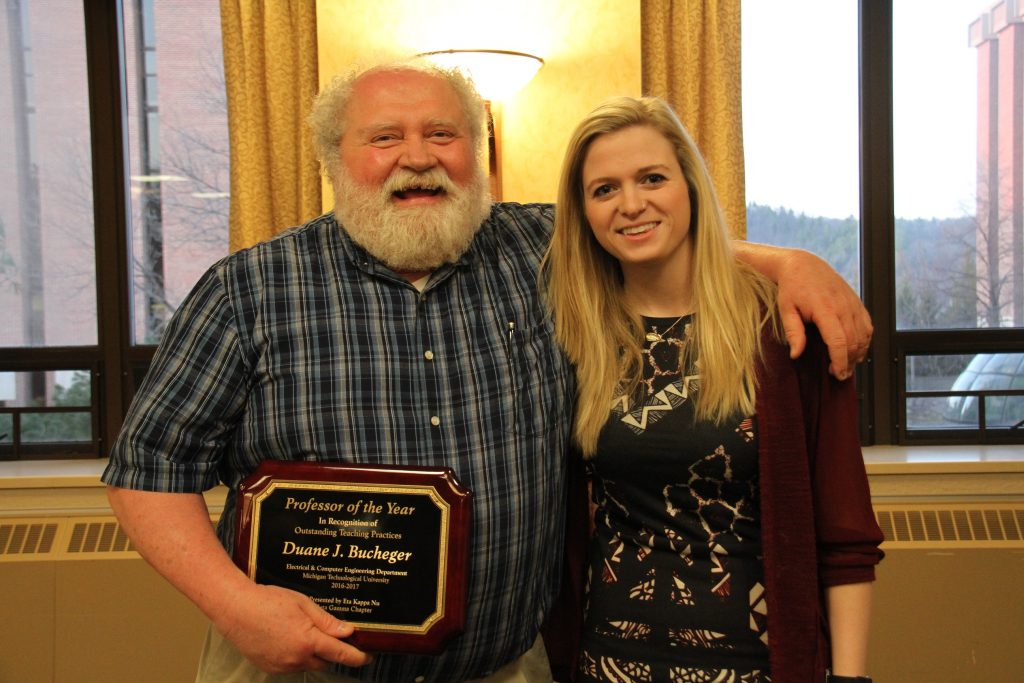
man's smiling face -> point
(409, 188)
(406, 120)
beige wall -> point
(591, 50)
(95, 621)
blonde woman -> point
(734, 537)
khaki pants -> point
(221, 662)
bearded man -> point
(403, 328)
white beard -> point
(417, 238)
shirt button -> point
(435, 420)
(428, 354)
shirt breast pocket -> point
(539, 380)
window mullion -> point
(877, 217)
(108, 112)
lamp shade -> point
(496, 73)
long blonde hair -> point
(584, 286)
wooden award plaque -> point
(384, 548)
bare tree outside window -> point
(179, 156)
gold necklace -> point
(654, 336)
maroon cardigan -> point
(817, 525)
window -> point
(957, 189)
(938, 216)
(113, 191)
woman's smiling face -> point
(637, 201)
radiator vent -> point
(27, 538)
(63, 538)
(954, 525)
(97, 537)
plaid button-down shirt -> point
(306, 348)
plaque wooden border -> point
(422, 633)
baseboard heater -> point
(959, 525)
(952, 525)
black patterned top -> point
(676, 588)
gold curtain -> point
(270, 71)
(691, 58)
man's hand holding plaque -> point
(383, 548)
